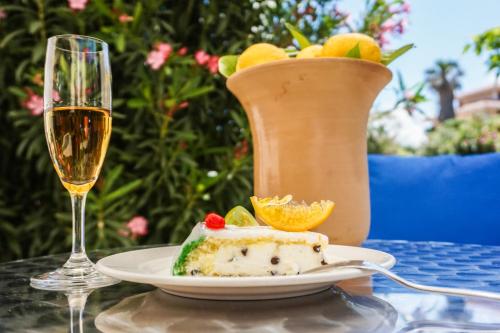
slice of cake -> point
(215, 249)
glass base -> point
(77, 273)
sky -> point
(440, 29)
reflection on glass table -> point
(436, 313)
(157, 311)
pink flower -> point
(406, 7)
(138, 226)
(183, 105)
(77, 4)
(401, 26)
(3, 14)
(164, 48)
(395, 9)
(55, 96)
(157, 57)
(201, 57)
(124, 18)
(408, 95)
(388, 26)
(34, 103)
(182, 51)
(213, 64)
(382, 40)
(339, 13)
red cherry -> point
(214, 221)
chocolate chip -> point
(195, 272)
(275, 260)
(273, 273)
(317, 248)
(244, 251)
(323, 262)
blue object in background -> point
(443, 198)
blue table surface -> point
(380, 305)
(469, 266)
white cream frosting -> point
(234, 232)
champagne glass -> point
(77, 118)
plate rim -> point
(239, 282)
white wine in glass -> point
(77, 118)
(78, 138)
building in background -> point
(485, 100)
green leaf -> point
(103, 8)
(298, 36)
(420, 89)
(17, 91)
(111, 177)
(390, 56)
(170, 102)
(125, 189)
(9, 37)
(227, 65)
(120, 43)
(401, 82)
(116, 103)
(354, 52)
(21, 69)
(198, 92)
(137, 15)
(136, 103)
(63, 64)
(37, 53)
(34, 26)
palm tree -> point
(444, 79)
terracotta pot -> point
(308, 119)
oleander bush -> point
(475, 135)
(180, 145)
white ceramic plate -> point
(152, 266)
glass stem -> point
(78, 208)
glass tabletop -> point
(373, 304)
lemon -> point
(240, 217)
(340, 45)
(311, 51)
(285, 214)
(259, 54)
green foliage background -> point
(166, 163)
(161, 159)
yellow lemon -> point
(259, 54)
(311, 51)
(340, 45)
(285, 214)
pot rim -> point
(292, 61)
